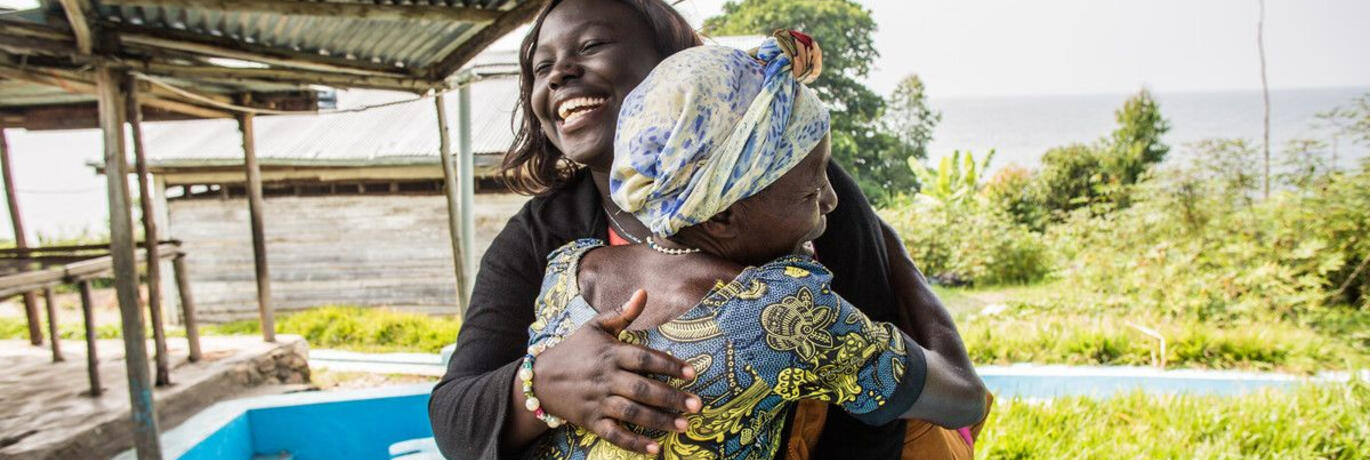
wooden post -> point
(150, 237)
(449, 181)
(52, 325)
(121, 248)
(178, 265)
(254, 210)
(88, 316)
(466, 179)
(20, 240)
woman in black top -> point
(582, 58)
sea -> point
(61, 197)
(1021, 128)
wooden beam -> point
(154, 262)
(30, 281)
(507, 22)
(19, 28)
(249, 76)
(254, 210)
(145, 432)
(449, 181)
(74, 83)
(194, 43)
(359, 10)
(75, 248)
(53, 335)
(29, 45)
(20, 239)
(178, 266)
(88, 317)
(80, 28)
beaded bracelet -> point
(531, 402)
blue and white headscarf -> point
(713, 125)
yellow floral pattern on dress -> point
(774, 335)
(796, 324)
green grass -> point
(347, 328)
(1314, 421)
(17, 328)
(1052, 323)
(358, 329)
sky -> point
(972, 48)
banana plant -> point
(956, 180)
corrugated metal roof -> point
(403, 43)
(399, 134)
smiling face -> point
(589, 55)
(779, 219)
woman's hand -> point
(595, 381)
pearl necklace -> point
(669, 251)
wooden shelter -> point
(354, 203)
(108, 63)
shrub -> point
(1014, 190)
(1202, 248)
(1311, 421)
(1071, 177)
(970, 243)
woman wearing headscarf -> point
(723, 154)
(578, 63)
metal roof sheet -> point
(402, 43)
(405, 133)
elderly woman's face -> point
(589, 55)
(788, 213)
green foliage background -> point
(862, 140)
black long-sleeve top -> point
(469, 405)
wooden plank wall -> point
(366, 250)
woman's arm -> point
(469, 406)
(477, 409)
(954, 396)
(873, 272)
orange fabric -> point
(922, 440)
(809, 417)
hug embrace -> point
(695, 278)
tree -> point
(843, 29)
(908, 117)
(1135, 145)
(1104, 172)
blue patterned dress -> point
(772, 336)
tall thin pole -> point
(51, 303)
(449, 181)
(20, 240)
(1265, 96)
(88, 316)
(150, 237)
(121, 247)
(178, 268)
(254, 209)
(466, 179)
